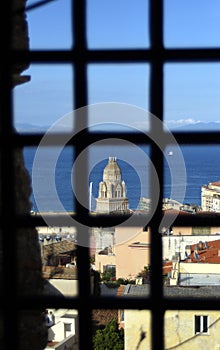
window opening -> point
(201, 324)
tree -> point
(145, 273)
(124, 281)
(110, 337)
(108, 275)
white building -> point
(63, 335)
(210, 197)
(175, 247)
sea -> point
(186, 169)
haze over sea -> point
(202, 165)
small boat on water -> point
(170, 153)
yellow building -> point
(183, 330)
(194, 329)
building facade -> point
(183, 329)
(129, 254)
(210, 197)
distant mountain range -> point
(201, 126)
(30, 128)
(210, 126)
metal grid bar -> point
(80, 57)
(7, 189)
(80, 89)
(118, 56)
(156, 107)
(174, 303)
(183, 221)
(196, 138)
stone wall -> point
(31, 330)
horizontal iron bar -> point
(139, 138)
(205, 219)
(117, 55)
(134, 303)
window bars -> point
(80, 56)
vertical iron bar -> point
(8, 239)
(156, 107)
(81, 100)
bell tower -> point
(112, 190)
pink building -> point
(129, 255)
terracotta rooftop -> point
(101, 317)
(61, 247)
(191, 219)
(51, 344)
(177, 212)
(207, 253)
(217, 183)
(120, 290)
(167, 267)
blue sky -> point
(192, 91)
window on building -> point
(201, 324)
(201, 230)
(67, 327)
(121, 315)
(110, 269)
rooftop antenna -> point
(196, 255)
(186, 255)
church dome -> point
(112, 171)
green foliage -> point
(111, 284)
(118, 282)
(124, 281)
(110, 338)
(108, 275)
(145, 273)
(92, 259)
